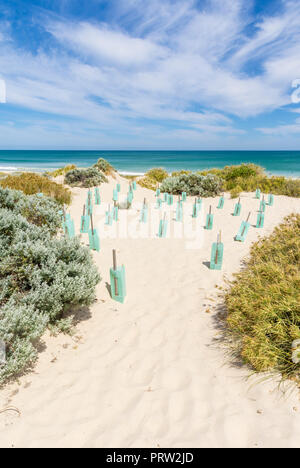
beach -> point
(154, 371)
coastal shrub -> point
(90, 177)
(104, 166)
(263, 302)
(41, 278)
(249, 177)
(235, 192)
(158, 174)
(147, 183)
(31, 183)
(193, 184)
(40, 211)
(153, 177)
(60, 171)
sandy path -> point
(150, 372)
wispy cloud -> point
(172, 66)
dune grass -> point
(264, 302)
(249, 177)
(31, 183)
(60, 171)
(153, 177)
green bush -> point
(90, 177)
(249, 177)
(41, 211)
(153, 177)
(264, 302)
(193, 184)
(41, 277)
(235, 192)
(31, 183)
(104, 166)
(157, 174)
(147, 183)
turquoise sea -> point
(136, 162)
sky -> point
(155, 74)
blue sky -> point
(155, 74)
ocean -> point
(138, 162)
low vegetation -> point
(61, 171)
(249, 177)
(193, 184)
(41, 276)
(264, 302)
(104, 166)
(153, 177)
(90, 177)
(31, 183)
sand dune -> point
(152, 372)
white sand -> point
(151, 372)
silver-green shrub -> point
(193, 184)
(90, 177)
(41, 277)
(38, 210)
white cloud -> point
(166, 62)
(105, 44)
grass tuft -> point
(31, 183)
(264, 302)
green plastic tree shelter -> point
(237, 208)
(209, 220)
(260, 220)
(158, 203)
(97, 196)
(262, 206)
(271, 200)
(258, 194)
(165, 199)
(64, 216)
(89, 204)
(89, 200)
(134, 185)
(115, 212)
(108, 216)
(93, 237)
(183, 196)
(196, 208)
(158, 192)
(163, 226)
(243, 231)
(217, 250)
(68, 224)
(179, 211)
(85, 222)
(199, 202)
(170, 199)
(221, 203)
(117, 281)
(119, 188)
(130, 197)
(115, 195)
(69, 228)
(144, 212)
